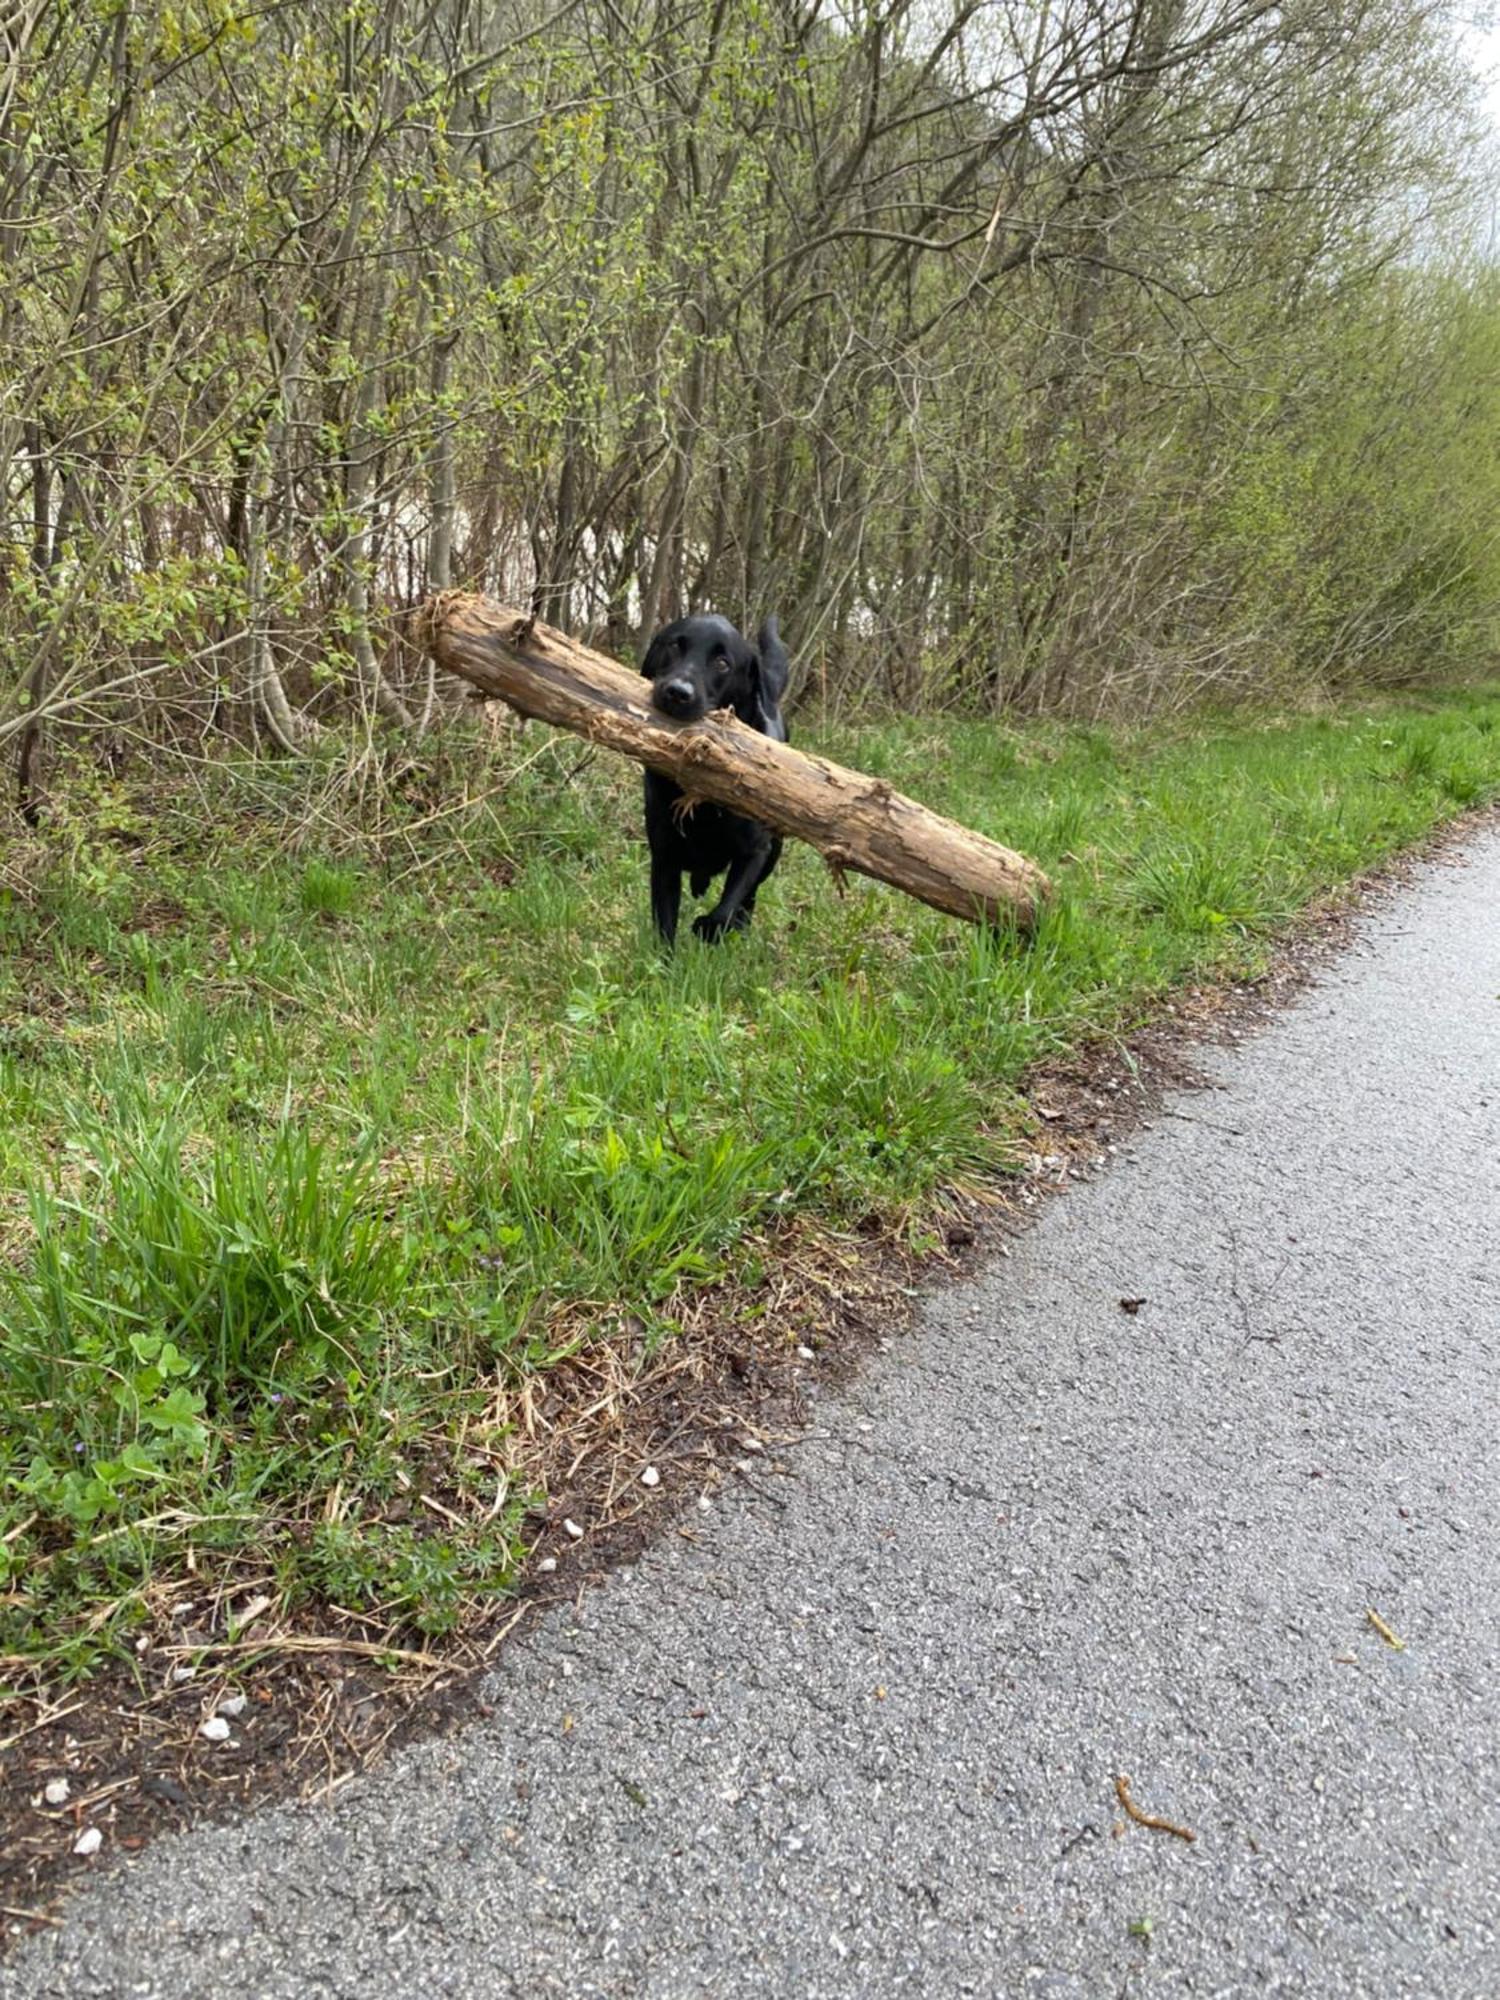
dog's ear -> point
(657, 656)
(775, 666)
(748, 694)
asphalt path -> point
(861, 1736)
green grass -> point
(321, 1115)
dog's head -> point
(699, 664)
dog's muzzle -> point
(677, 698)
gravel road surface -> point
(861, 1736)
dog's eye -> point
(718, 657)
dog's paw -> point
(711, 926)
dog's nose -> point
(676, 697)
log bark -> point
(856, 822)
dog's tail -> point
(775, 666)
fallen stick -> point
(855, 822)
(1122, 1793)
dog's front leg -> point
(666, 898)
(730, 913)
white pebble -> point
(233, 1705)
(55, 1791)
(89, 1841)
(183, 1673)
(572, 1530)
(215, 1730)
(650, 1476)
(806, 1354)
(547, 1564)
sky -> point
(1484, 40)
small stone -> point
(572, 1530)
(806, 1354)
(89, 1841)
(650, 1476)
(233, 1705)
(215, 1730)
(184, 1673)
(547, 1565)
(56, 1791)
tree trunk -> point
(262, 677)
(39, 676)
(856, 822)
(355, 557)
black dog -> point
(696, 666)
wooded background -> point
(1070, 355)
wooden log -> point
(855, 822)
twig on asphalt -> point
(1393, 1639)
(1122, 1793)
